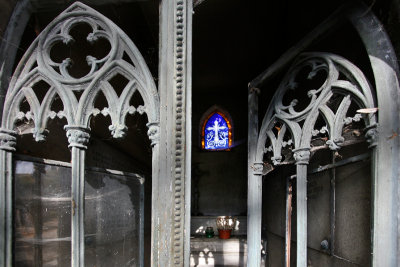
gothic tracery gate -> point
(283, 124)
(286, 129)
(78, 96)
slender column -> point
(7, 146)
(302, 157)
(254, 190)
(254, 215)
(154, 136)
(78, 138)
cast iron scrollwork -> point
(7, 140)
(342, 88)
(77, 95)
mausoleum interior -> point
(233, 42)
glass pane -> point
(216, 133)
(113, 219)
(42, 217)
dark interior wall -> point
(233, 42)
(219, 178)
(352, 219)
(6, 9)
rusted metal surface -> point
(288, 227)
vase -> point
(209, 232)
(224, 234)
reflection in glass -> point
(42, 217)
(113, 219)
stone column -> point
(254, 184)
(78, 138)
(172, 187)
(254, 215)
(7, 146)
(302, 157)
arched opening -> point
(216, 130)
(95, 112)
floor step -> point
(218, 252)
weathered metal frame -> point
(385, 156)
(171, 203)
(36, 65)
(137, 176)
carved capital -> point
(8, 139)
(154, 132)
(335, 143)
(77, 136)
(371, 134)
(118, 131)
(276, 160)
(40, 135)
(302, 155)
(258, 168)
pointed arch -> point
(37, 64)
(352, 86)
(343, 88)
(220, 118)
(77, 93)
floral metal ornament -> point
(291, 126)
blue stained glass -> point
(216, 133)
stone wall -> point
(6, 7)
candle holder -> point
(209, 232)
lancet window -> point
(216, 131)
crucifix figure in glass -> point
(216, 133)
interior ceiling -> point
(233, 42)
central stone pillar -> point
(171, 189)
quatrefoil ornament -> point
(77, 50)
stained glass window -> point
(217, 132)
